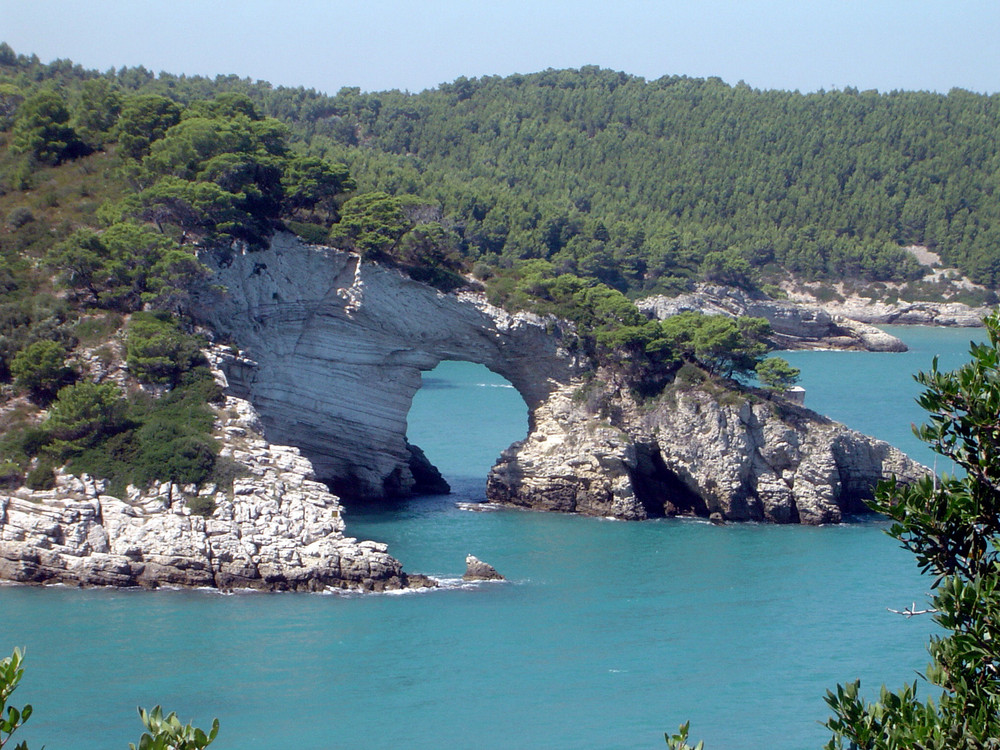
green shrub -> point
(202, 505)
(19, 216)
(10, 474)
(225, 471)
(40, 369)
(690, 375)
(169, 450)
(92, 329)
(42, 477)
(157, 351)
(776, 374)
(314, 234)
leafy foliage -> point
(42, 129)
(125, 266)
(157, 351)
(776, 374)
(168, 733)
(614, 333)
(41, 369)
(678, 741)
(83, 414)
(145, 118)
(162, 732)
(11, 673)
(952, 525)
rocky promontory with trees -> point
(162, 235)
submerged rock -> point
(477, 570)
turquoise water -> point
(875, 392)
(607, 634)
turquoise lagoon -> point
(606, 635)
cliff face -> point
(692, 452)
(332, 350)
(275, 529)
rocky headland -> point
(692, 451)
(793, 325)
(321, 355)
(274, 529)
(331, 350)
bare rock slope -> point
(691, 452)
(275, 529)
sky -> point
(412, 45)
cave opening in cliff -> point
(462, 418)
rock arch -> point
(331, 351)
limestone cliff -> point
(331, 351)
(276, 528)
(693, 451)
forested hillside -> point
(636, 181)
(644, 185)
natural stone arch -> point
(464, 417)
(331, 351)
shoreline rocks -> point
(276, 529)
(735, 456)
(477, 570)
(793, 325)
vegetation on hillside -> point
(567, 192)
(644, 183)
(614, 334)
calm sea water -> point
(606, 635)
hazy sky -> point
(417, 44)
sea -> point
(606, 634)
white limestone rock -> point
(278, 529)
(745, 458)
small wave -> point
(460, 584)
(494, 385)
(475, 507)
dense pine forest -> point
(643, 185)
(637, 182)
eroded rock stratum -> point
(331, 350)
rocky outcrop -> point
(794, 326)
(276, 528)
(692, 452)
(477, 570)
(909, 313)
(331, 351)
